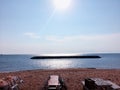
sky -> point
(42, 26)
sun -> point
(61, 4)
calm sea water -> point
(23, 62)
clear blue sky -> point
(35, 27)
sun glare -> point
(61, 4)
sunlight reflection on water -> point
(55, 63)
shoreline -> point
(59, 69)
(35, 79)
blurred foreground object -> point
(99, 84)
(10, 83)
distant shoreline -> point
(65, 56)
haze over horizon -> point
(54, 26)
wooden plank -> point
(54, 80)
(113, 85)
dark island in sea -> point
(65, 56)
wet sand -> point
(35, 79)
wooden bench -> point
(55, 82)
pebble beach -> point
(35, 79)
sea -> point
(20, 62)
